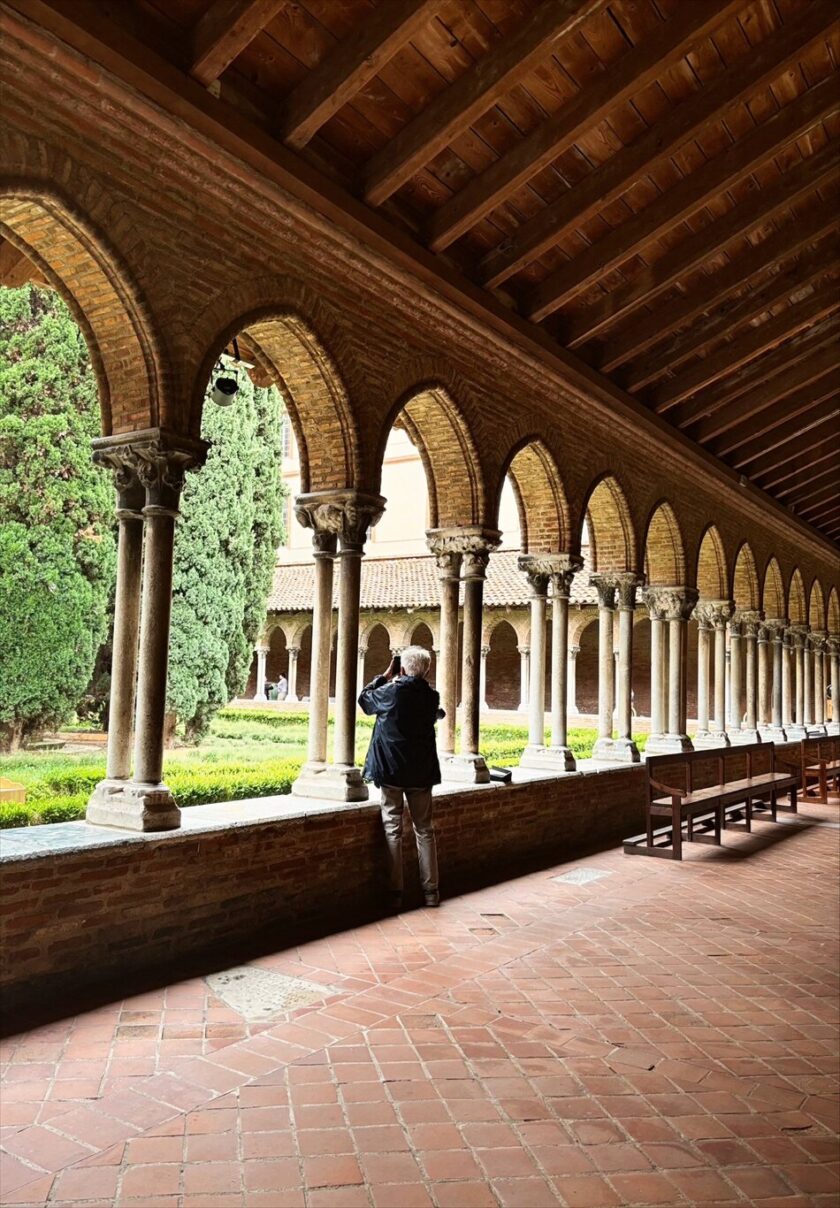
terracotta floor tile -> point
(400, 1195)
(644, 1188)
(150, 1180)
(271, 1175)
(441, 1164)
(331, 1172)
(212, 1178)
(586, 1191)
(463, 1195)
(86, 1183)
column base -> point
(331, 782)
(616, 750)
(832, 727)
(773, 734)
(795, 732)
(548, 759)
(131, 806)
(742, 738)
(707, 740)
(262, 699)
(668, 744)
(470, 769)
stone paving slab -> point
(666, 1034)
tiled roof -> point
(412, 583)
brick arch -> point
(368, 627)
(77, 260)
(712, 572)
(543, 509)
(437, 428)
(773, 594)
(816, 606)
(833, 612)
(612, 540)
(664, 548)
(796, 599)
(745, 590)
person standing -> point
(402, 761)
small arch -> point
(421, 635)
(834, 612)
(436, 427)
(503, 667)
(378, 653)
(773, 595)
(664, 548)
(816, 606)
(745, 592)
(77, 261)
(712, 572)
(543, 509)
(287, 350)
(796, 599)
(611, 539)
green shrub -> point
(14, 814)
(61, 809)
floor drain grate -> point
(582, 876)
(260, 993)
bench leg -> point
(719, 822)
(676, 832)
(748, 814)
(773, 804)
(649, 827)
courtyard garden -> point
(247, 753)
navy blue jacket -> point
(402, 748)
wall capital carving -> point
(536, 572)
(475, 563)
(670, 603)
(748, 621)
(149, 467)
(466, 539)
(713, 614)
(620, 586)
(819, 640)
(775, 627)
(346, 515)
(605, 587)
(798, 634)
(833, 644)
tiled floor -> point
(663, 1034)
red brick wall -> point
(151, 900)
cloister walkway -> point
(613, 1031)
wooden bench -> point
(818, 764)
(736, 790)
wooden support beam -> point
(714, 399)
(224, 31)
(773, 409)
(825, 492)
(732, 356)
(684, 199)
(615, 84)
(351, 65)
(614, 177)
(700, 337)
(818, 457)
(457, 107)
(651, 328)
(654, 279)
(788, 441)
(800, 485)
(785, 424)
(825, 511)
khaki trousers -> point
(420, 808)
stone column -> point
(160, 461)
(676, 605)
(798, 634)
(818, 643)
(294, 652)
(735, 679)
(558, 757)
(750, 621)
(764, 673)
(344, 516)
(834, 656)
(623, 746)
(807, 682)
(360, 669)
(704, 632)
(605, 586)
(657, 665)
(474, 545)
(787, 697)
(262, 655)
(524, 652)
(537, 578)
(571, 692)
(719, 617)
(448, 560)
(775, 627)
(130, 499)
(482, 681)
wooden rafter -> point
(651, 328)
(785, 427)
(454, 109)
(224, 31)
(693, 251)
(788, 441)
(617, 83)
(829, 510)
(351, 65)
(749, 347)
(683, 200)
(800, 379)
(802, 402)
(827, 467)
(700, 337)
(815, 458)
(664, 137)
(822, 493)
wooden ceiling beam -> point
(827, 492)
(457, 107)
(352, 65)
(769, 335)
(800, 485)
(743, 386)
(775, 412)
(686, 197)
(651, 328)
(700, 337)
(788, 441)
(224, 31)
(615, 84)
(827, 511)
(614, 177)
(826, 453)
(789, 425)
(655, 278)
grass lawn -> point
(248, 753)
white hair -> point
(415, 660)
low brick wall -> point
(70, 917)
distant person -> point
(402, 761)
(282, 688)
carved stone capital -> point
(670, 603)
(574, 651)
(448, 564)
(149, 467)
(293, 651)
(605, 587)
(819, 640)
(798, 634)
(485, 650)
(833, 643)
(748, 620)
(775, 627)
(713, 614)
(524, 649)
(475, 563)
(536, 572)
(466, 539)
(344, 514)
